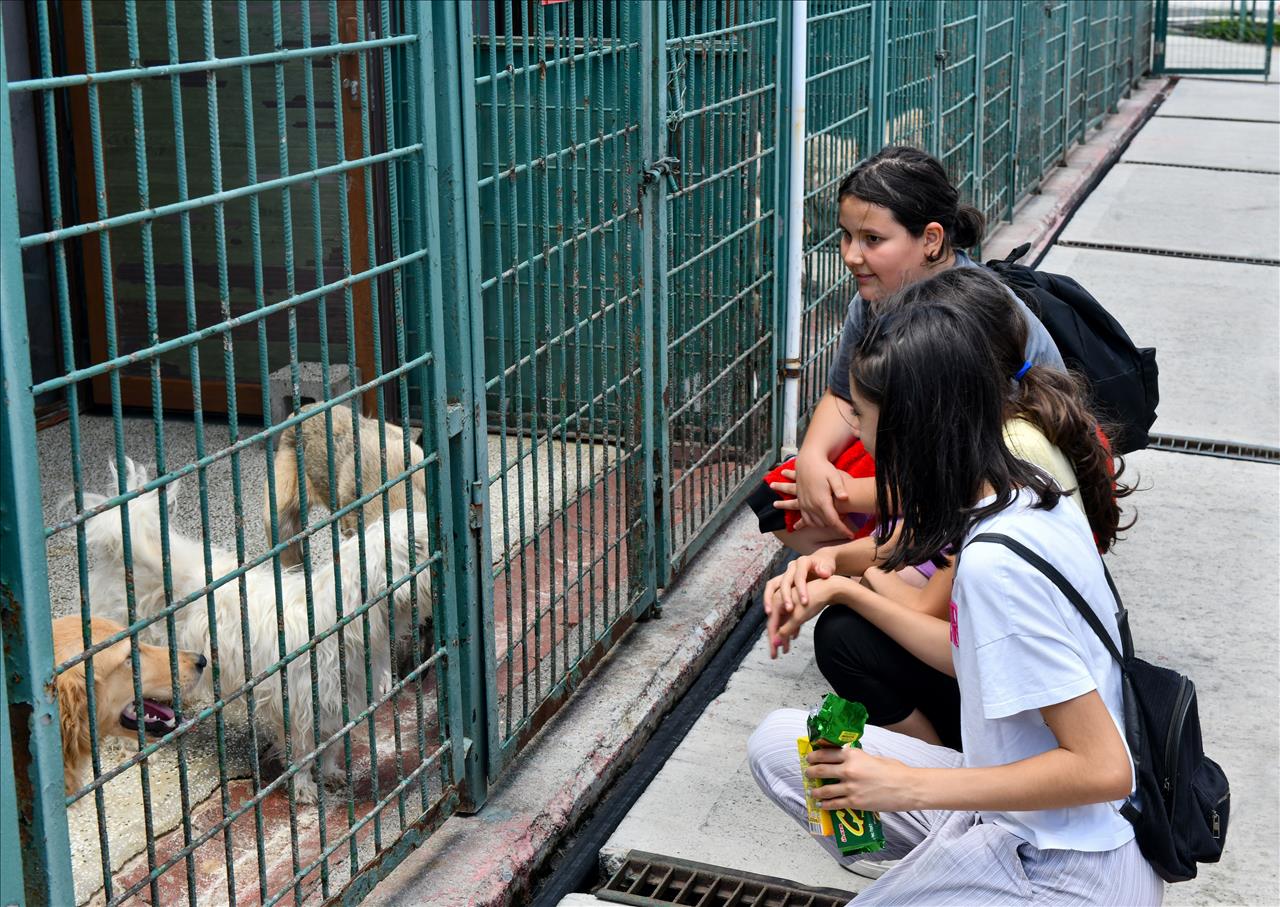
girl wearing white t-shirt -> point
(1029, 811)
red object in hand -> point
(854, 460)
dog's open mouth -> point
(157, 718)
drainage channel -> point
(1206, 447)
(577, 866)
(650, 880)
(1168, 253)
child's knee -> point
(777, 732)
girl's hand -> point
(785, 591)
(817, 485)
(784, 625)
(861, 780)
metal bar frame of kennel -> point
(366, 158)
(550, 236)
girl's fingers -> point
(836, 482)
(788, 504)
(802, 589)
(825, 754)
(789, 474)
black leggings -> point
(863, 664)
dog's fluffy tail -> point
(288, 508)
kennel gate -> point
(242, 167)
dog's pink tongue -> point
(157, 712)
(157, 718)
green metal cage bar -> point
(718, 377)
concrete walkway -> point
(1199, 568)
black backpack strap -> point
(1122, 615)
(1065, 588)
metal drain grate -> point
(1170, 253)
(653, 881)
(1257, 453)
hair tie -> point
(1026, 367)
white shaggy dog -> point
(186, 565)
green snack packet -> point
(836, 723)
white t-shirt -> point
(1019, 645)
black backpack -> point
(1182, 802)
(1123, 379)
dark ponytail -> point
(914, 186)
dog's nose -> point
(201, 661)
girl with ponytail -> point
(901, 222)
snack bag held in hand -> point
(836, 723)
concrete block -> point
(1196, 211)
(1216, 328)
(1207, 143)
(310, 386)
(1198, 575)
(1223, 100)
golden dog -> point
(116, 713)
(310, 435)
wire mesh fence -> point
(718, 317)
(997, 90)
(1224, 37)
(389, 359)
(558, 118)
(236, 179)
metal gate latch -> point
(663, 166)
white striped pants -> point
(951, 857)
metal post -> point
(798, 49)
(453, 615)
(1015, 101)
(1161, 33)
(655, 442)
(464, 348)
(976, 156)
(11, 850)
(1084, 74)
(24, 582)
(1066, 84)
(879, 61)
(1269, 42)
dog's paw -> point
(304, 788)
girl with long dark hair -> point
(1047, 424)
(1029, 811)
